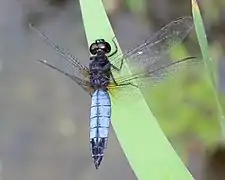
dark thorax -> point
(100, 66)
(100, 71)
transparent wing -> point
(80, 68)
(150, 78)
(81, 82)
(148, 53)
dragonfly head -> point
(100, 46)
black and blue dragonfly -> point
(98, 79)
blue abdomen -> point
(99, 123)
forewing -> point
(150, 78)
(85, 84)
(144, 55)
(81, 69)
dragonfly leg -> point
(127, 84)
(107, 66)
(122, 59)
(122, 84)
(116, 50)
(120, 67)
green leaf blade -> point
(147, 149)
(202, 39)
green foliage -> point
(202, 39)
(136, 6)
(186, 107)
(148, 151)
(191, 106)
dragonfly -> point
(98, 79)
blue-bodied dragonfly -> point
(98, 79)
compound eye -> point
(108, 47)
(102, 46)
(105, 47)
(93, 48)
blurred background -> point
(44, 124)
